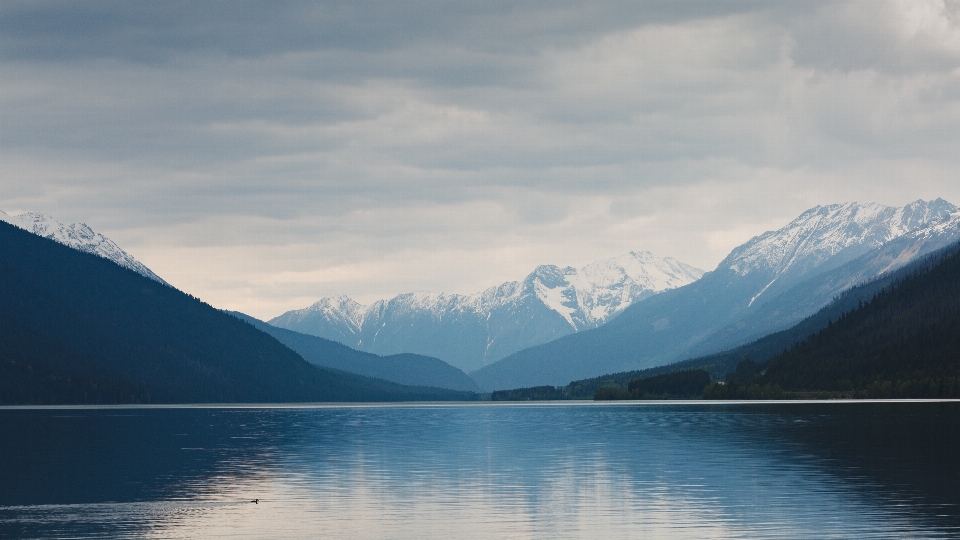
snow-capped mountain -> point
(809, 295)
(764, 285)
(470, 331)
(79, 236)
(590, 296)
(826, 237)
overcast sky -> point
(261, 155)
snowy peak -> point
(824, 231)
(429, 301)
(920, 214)
(826, 237)
(590, 296)
(550, 275)
(641, 268)
(343, 307)
(78, 236)
(340, 312)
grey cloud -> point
(364, 131)
(861, 35)
(147, 32)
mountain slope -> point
(407, 369)
(79, 236)
(808, 296)
(667, 326)
(824, 238)
(719, 365)
(77, 328)
(470, 331)
(902, 343)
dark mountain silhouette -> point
(77, 328)
(408, 369)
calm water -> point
(837, 470)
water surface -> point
(572, 470)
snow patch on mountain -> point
(558, 299)
(925, 240)
(78, 236)
(605, 288)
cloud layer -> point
(261, 155)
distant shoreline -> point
(434, 404)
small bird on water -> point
(255, 501)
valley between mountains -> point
(85, 322)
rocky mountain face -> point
(767, 284)
(79, 236)
(470, 331)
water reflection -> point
(571, 471)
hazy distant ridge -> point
(407, 369)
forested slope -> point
(77, 328)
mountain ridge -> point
(903, 342)
(822, 288)
(469, 331)
(664, 327)
(761, 350)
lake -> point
(485, 470)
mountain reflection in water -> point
(865, 470)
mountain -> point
(721, 364)
(408, 369)
(470, 331)
(79, 236)
(902, 343)
(809, 295)
(764, 285)
(77, 328)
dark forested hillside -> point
(76, 328)
(535, 393)
(904, 342)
